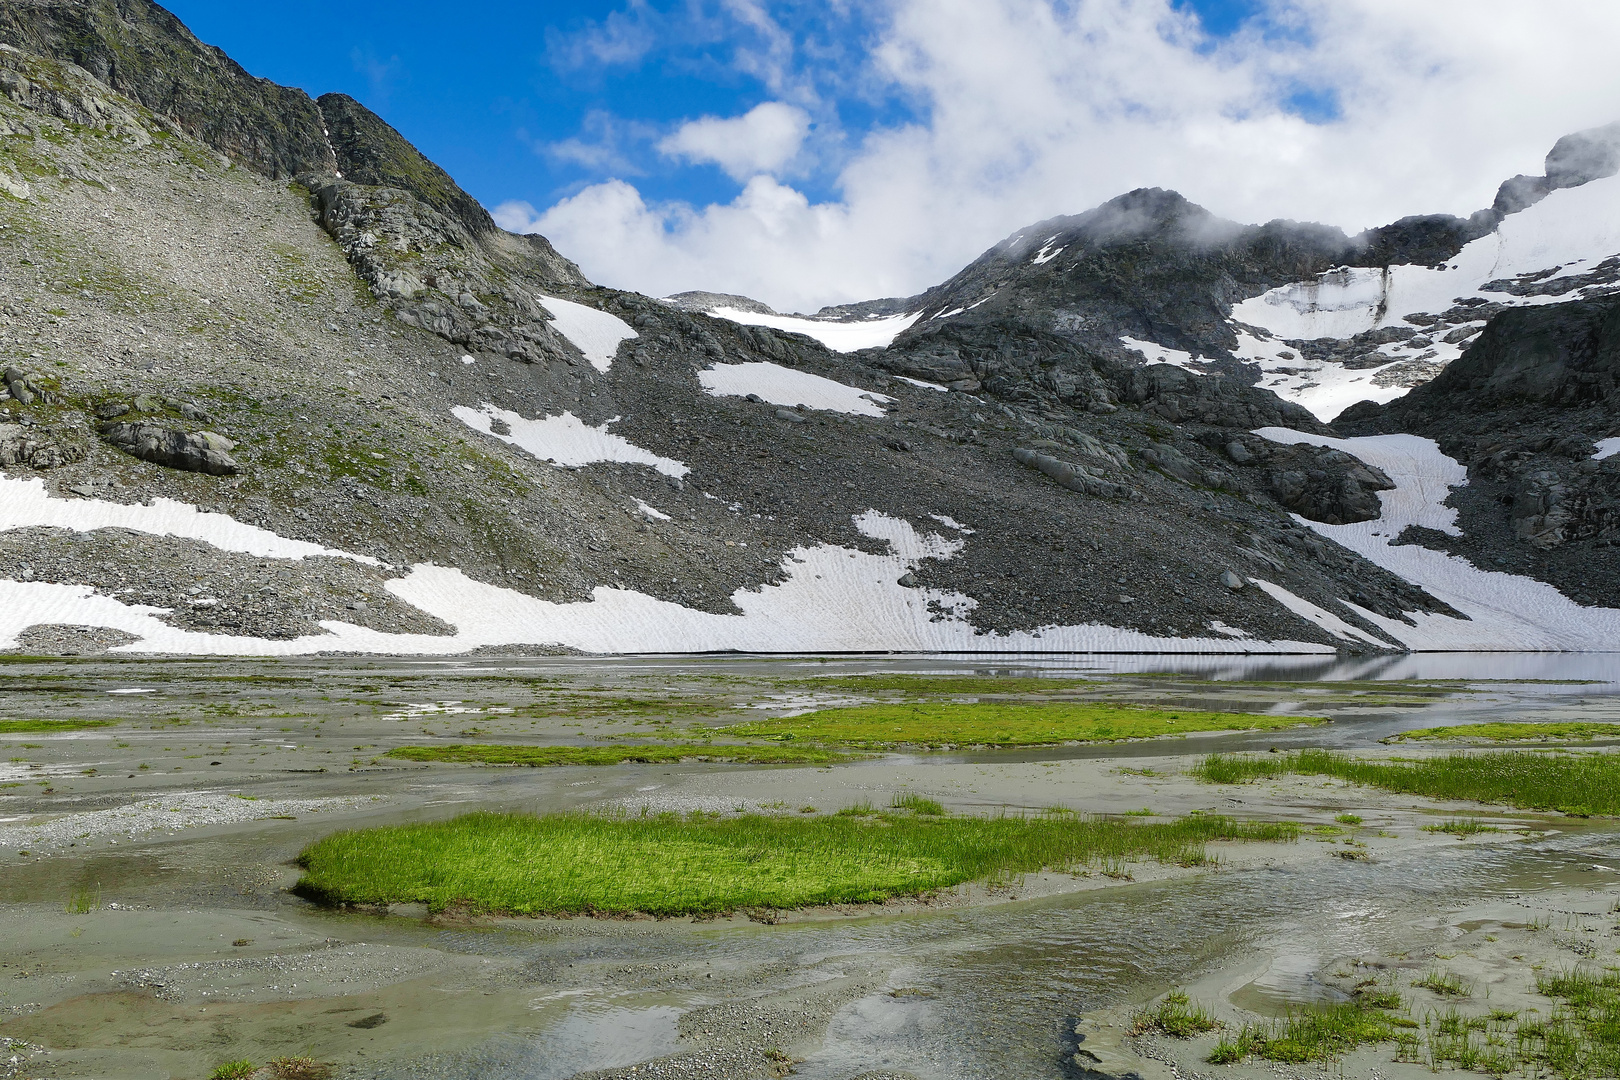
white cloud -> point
(1031, 109)
(762, 140)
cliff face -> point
(146, 54)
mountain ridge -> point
(442, 437)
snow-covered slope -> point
(1565, 247)
(1504, 611)
(833, 599)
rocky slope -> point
(408, 430)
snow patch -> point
(652, 511)
(1046, 254)
(1503, 612)
(951, 523)
(595, 333)
(1320, 616)
(566, 440)
(1606, 448)
(872, 333)
(924, 385)
(1157, 354)
(27, 504)
(786, 386)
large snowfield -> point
(1568, 233)
(834, 599)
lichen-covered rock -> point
(22, 446)
(203, 452)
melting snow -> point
(1046, 255)
(652, 511)
(832, 599)
(786, 386)
(26, 503)
(565, 440)
(1504, 611)
(1570, 231)
(1606, 448)
(595, 333)
(924, 385)
(1158, 354)
(848, 336)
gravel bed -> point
(166, 815)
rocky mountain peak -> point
(146, 54)
(368, 151)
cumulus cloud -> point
(1033, 108)
(762, 140)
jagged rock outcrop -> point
(29, 446)
(1524, 409)
(1577, 158)
(146, 54)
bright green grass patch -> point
(1320, 1034)
(939, 684)
(31, 727)
(1175, 1015)
(999, 724)
(1570, 783)
(490, 754)
(1570, 731)
(670, 865)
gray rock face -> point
(26, 389)
(22, 446)
(1584, 156)
(145, 53)
(436, 274)
(697, 300)
(203, 452)
(1523, 409)
(1072, 476)
(1315, 482)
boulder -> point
(203, 452)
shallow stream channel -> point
(152, 813)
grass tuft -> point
(34, 727)
(1462, 827)
(1446, 983)
(1174, 1015)
(917, 805)
(491, 754)
(1320, 1034)
(988, 723)
(1584, 783)
(671, 865)
(233, 1070)
(299, 1068)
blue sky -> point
(845, 149)
(494, 92)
